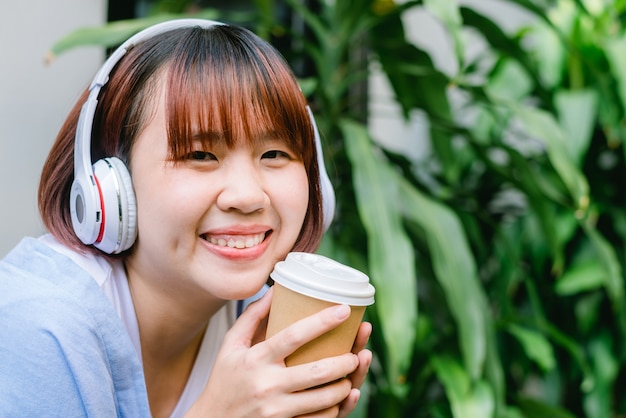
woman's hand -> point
(250, 379)
(358, 376)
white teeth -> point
(242, 242)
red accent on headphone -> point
(102, 216)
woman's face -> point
(218, 221)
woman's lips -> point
(238, 242)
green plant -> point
(498, 258)
(534, 178)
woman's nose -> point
(243, 189)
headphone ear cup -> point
(328, 193)
(119, 206)
(129, 230)
(85, 209)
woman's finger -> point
(349, 404)
(321, 372)
(331, 412)
(245, 329)
(288, 340)
(362, 337)
(358, 376)
(323, 401)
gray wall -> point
(35, 98)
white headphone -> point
(102, 200)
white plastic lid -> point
(323, 278)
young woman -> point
(207, 172)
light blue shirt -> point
(64, 351)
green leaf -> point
(113, 34)
(265, 20)
(588, 310)
(505, 46)
(541, 125)
(455, 269)
(577, 111)
(467, 399)
(535, 345)
(550, 54)
(533, 408)
(608, 259)
(509, 81)
(391, 256)
(448, 13)
(598, 402)
(312, 19)
(308, 85)
(410, 69)
(511, 412)
(615, 48)
(584, 276)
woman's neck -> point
(171, 328)
(166, 378)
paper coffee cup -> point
(307, 283)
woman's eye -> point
(201, 156)
(273, 154)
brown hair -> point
(223, 79)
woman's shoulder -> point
(34, 270)
(44, 292)
(42, 286)
(58, 331)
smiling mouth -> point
(236, 241)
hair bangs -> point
(228, 89)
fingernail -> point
(342, 311)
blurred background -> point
(477, 152)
